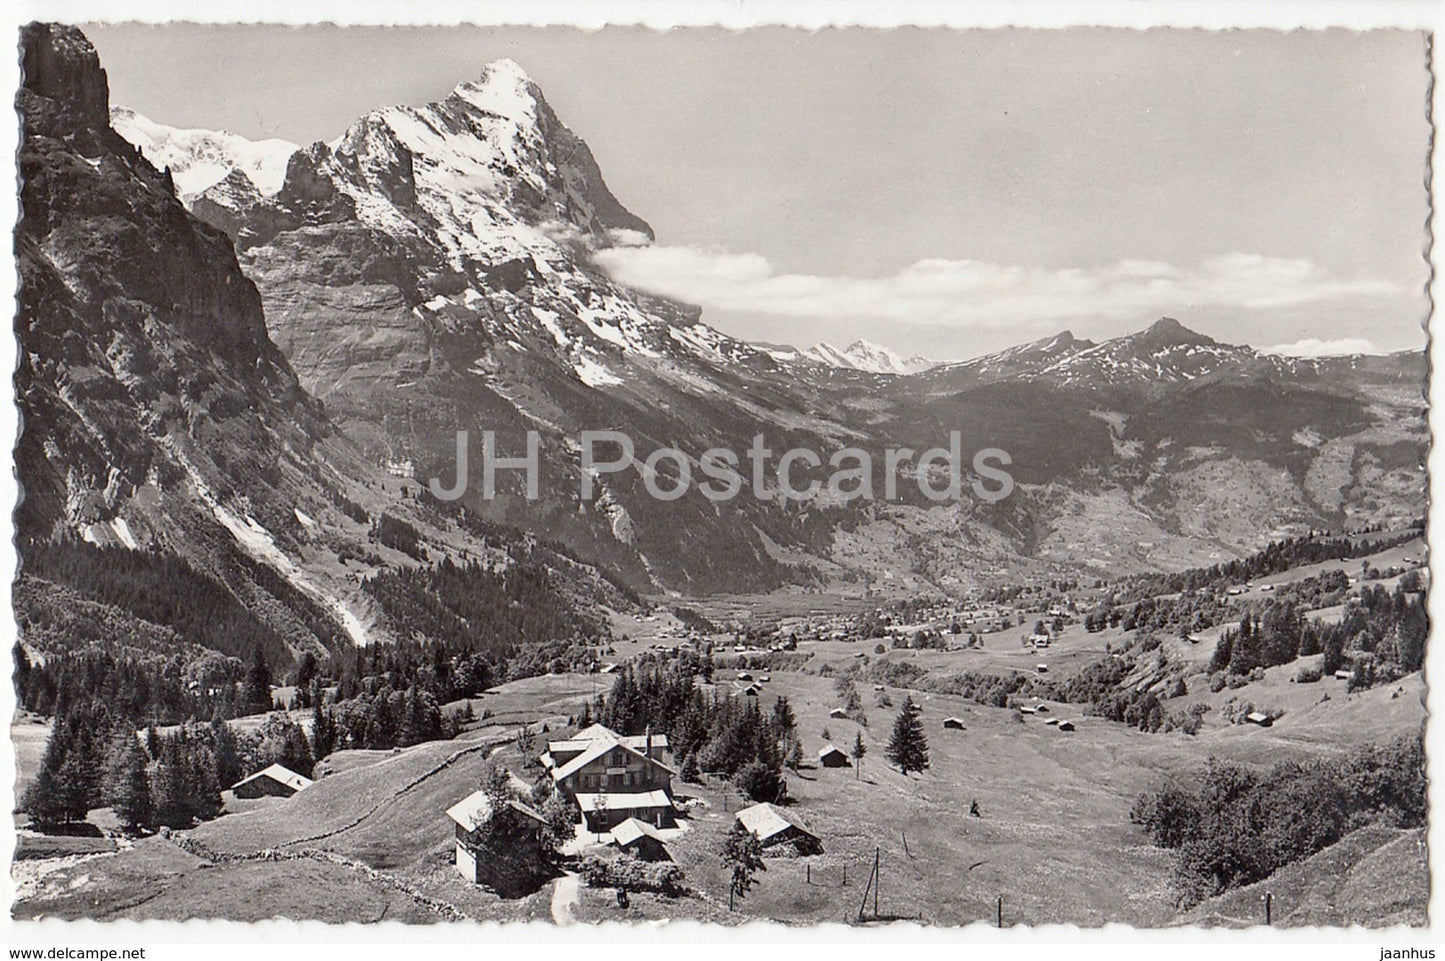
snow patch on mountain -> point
(200, 159)
(866, 356)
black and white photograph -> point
(914, 477)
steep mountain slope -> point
(177, 480)
(432, 270)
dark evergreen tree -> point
(257, 690)
(908, 746)
(126, 788)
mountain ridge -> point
(431, 269)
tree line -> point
(97, 758)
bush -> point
(1236, 827)
(1217, 682)
(1308, 674)
(630, 874)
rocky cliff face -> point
(163, 431)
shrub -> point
(1308, 674)
(1217, 681)
(630, 874)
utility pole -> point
(1268, 907)
(1000, 910)
(877, 880)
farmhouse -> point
(1256, 717)
(493, 849)
(273, 781)
(953, 723)
(641, 840)
(1066, 725)
(831, 756)
(613, 777)
(773, 827)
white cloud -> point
(1314, 347)
(968, 293)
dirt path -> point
(565, 894)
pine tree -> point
(859, 749)
(44, 801)
(908, 747)
(126, 788)
(229, 766)
(257, 691)
(323, 732)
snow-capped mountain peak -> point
(866, 356)
(201, 159)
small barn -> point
(774, 827)
(1028, 709)
(1066, 725)
(752, 690)
(831, 756)
(838, 712)
(641, 840)
(1042, 669)
(953, 723)
(1256, 717)
(273, 781)
(744, 676)
(1344, 675)
(1043, 708)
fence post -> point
(1000, 910)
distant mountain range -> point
(232, 337)
(863, 355)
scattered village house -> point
(1257, 717)
(613, 778)
(486, 856)
(273, 781)
(954, 723)
(774, 826)
(831, 756)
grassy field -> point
(1053, 839)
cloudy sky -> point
(940, 192)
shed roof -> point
(474, 810)
(767, 820)
(830, 749)
(279, 774)
(630, 830)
